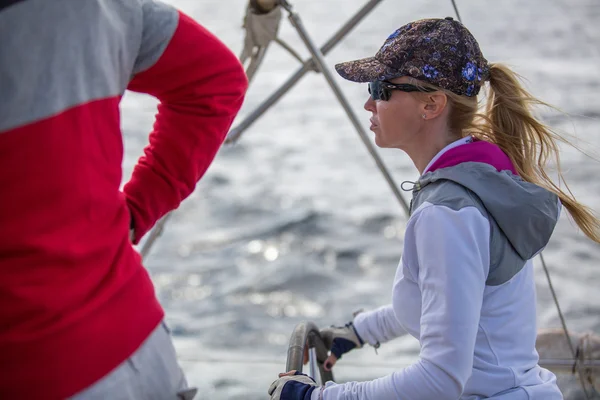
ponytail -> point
(509, 123)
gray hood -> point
(526, 213)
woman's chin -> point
(379, 141)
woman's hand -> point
(340, 340)
(292, 385)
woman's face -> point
(398, 120)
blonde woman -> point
(482, 208)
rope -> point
(262, 26)
(154, 235)
(289, 49)
(261, 30)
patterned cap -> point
(441, 52)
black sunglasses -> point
(382, 90)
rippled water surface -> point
(295, 222)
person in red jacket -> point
(78, 313)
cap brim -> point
(363, 70)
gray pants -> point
(151, 373)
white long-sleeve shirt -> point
(477, 340)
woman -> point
(79, 317)
(482, 208)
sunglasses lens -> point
(375, 90)
(383, 90)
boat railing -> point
(306, 339)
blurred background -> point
(295, 222)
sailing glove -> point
(340, 340)
(293, 387)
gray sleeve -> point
(159, 25)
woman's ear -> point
(435, 104)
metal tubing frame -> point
(318, 61)
(324, 69)
(307, 334)
(154, 235)
(308, 65)
(313, 366)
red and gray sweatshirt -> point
(75, 300)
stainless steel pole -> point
(324, 69)
(313, 366)
(154, 235)
(309, 65)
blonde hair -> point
(507, 121)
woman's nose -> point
(370, 104)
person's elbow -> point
(447, 381)
(234, 82)
(241, 79)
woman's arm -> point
(452, 252)
(378, 326)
